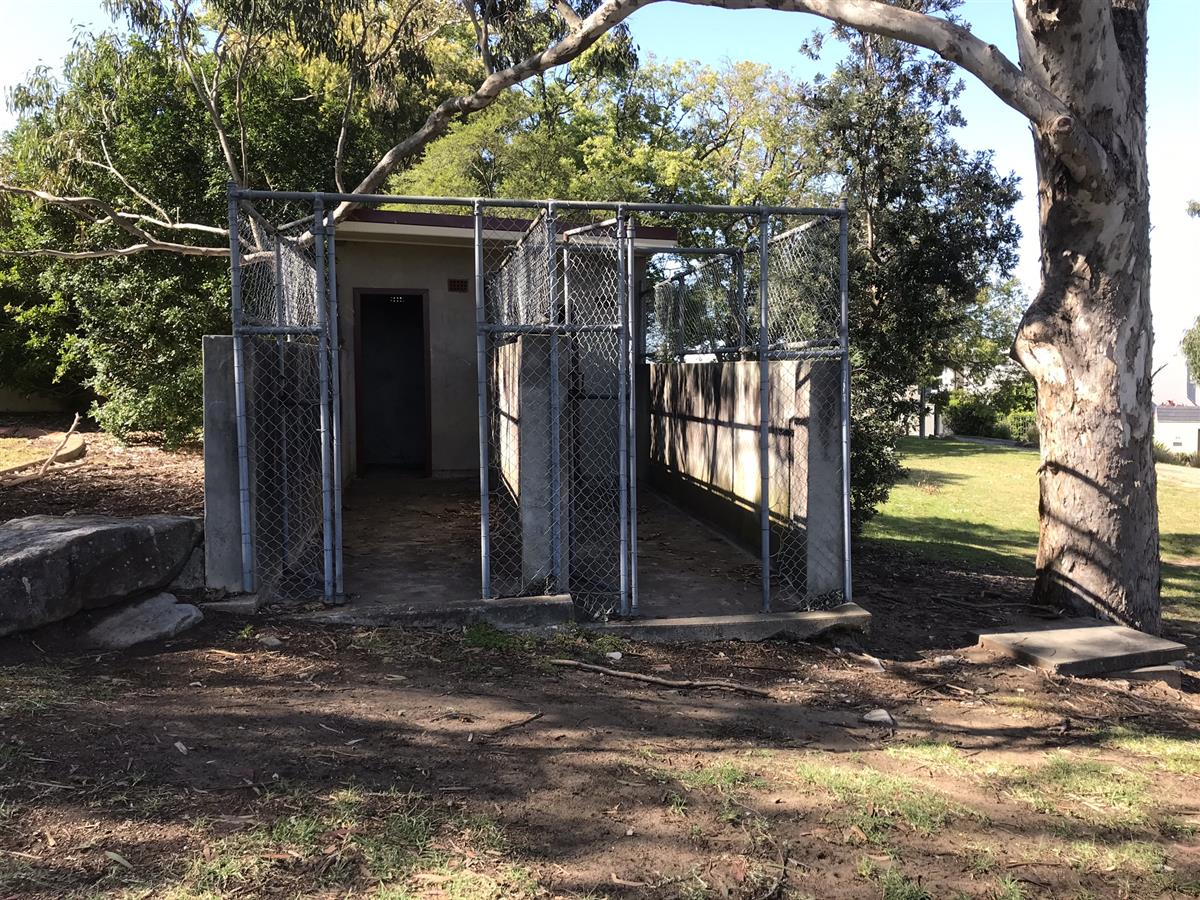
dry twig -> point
(664, 682)
(58, 449)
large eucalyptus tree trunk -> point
(1087, 337)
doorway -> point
(392, 374)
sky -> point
(41, 33)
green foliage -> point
(126, 124)
(970, 413)
(1005, 411)
(482, 636)
(1022, 426)
(988, 325)
(1191, 351)
(1164, 454)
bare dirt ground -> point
(385, 763)
(113, 479)
(395, 764)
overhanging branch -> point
(1079, 151)
(95, 211)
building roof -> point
(396, 226)
(1177, 412)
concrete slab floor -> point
(413, 544)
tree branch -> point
(1083, 156)
(207, 94)
(108, 166)
(98, 212)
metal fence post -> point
(844, 289)
(281, 321)
(239, 385)
(318, 231)
(335, 359)
(485, 522)
(742, 301)
(556, 550)
(636, 339)
(764, 409)
(623, 345)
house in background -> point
(1176, 407)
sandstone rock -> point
(154, 619)
(191, 576)
(51, 567)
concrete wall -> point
(521, 385)
(1178, 435)
(222, 519)
(15, 401)
(366, 265)
(704, 434)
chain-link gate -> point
(554, 343)
(286, 377)
(770, 318)
(744, 343)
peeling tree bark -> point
(1087, 338)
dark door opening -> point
(392, 376)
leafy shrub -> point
(1163, 454)
(971, 414)
(1022, 426)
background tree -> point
(931, 223)
(130, 153)
(1191, 350)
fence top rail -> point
(611, 206)
(700, 251)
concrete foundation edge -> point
(521, 614)
(746, 627)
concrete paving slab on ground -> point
(1083, 647)
(740, 627)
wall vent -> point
(457, 285)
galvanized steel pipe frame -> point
(844, 289)
(764, 408)
(335, 358)
(623, 393)
(755, 210)
(321, 287)
(555, 300)
(477, 205)
(481, 338)
(239, 388)
(636, 349)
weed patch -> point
(1095, 792)
(1174, 754)
(878, 801)
(937, 756)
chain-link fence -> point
(699, 311)
(557, 396)
(804, 348)
(286, 374)
(747, 349)
(721, 371)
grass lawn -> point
(977, 504)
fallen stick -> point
(511, 725)
(58, 449)
(664, 682)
